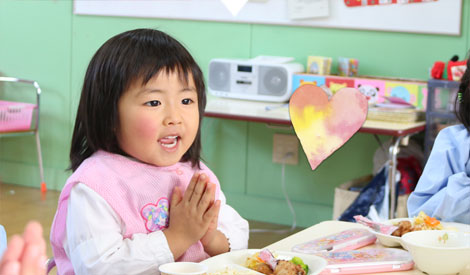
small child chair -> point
(16, 119)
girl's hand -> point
(214, 241)
(210, 234)
(191, 214)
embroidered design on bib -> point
(156, 215)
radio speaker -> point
(273, 81)
(219, 79)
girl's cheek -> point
(146, 127)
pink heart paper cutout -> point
(323, 125)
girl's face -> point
(158, 121)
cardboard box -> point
(344, 197)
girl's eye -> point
(153, 103)
(187, 101)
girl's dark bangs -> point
(151, 70)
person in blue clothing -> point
(443, 191)
(3, 240)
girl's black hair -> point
(136, 55)
(462, 100)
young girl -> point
(443, 191)
(139, 195)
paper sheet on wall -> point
(234, 6)
(306, 9)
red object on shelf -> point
(456, 69)
(438, 69)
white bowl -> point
(392, 241)
(433, 255)
(183, 268)
(389, 240)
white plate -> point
(392, 241)
(232, 259)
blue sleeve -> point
(3, 241)
(443, 191)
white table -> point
(327, 228)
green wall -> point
(46, 42)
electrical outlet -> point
(285, 149)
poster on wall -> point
(415, 16)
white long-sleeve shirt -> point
(94, 238)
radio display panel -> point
(246, 69)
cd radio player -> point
(264, 78)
